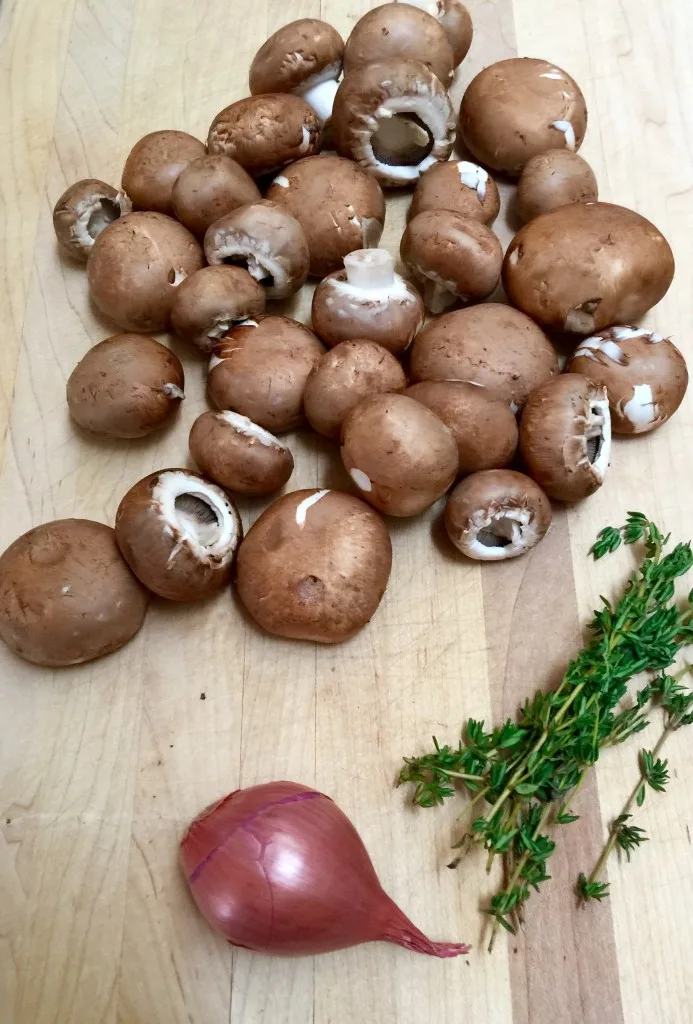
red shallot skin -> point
(279, 869)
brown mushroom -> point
(125, 386)
(455, 20)
(644, 374)
(178, 533)
(212, 301)
(368, 300)
(565, 436)
(460, 186)
(264, 133)
(338, 205)
(314, 566)
(135, 267)
(153, 166)
(553, 179)
(454, 258)
(238, 454)
(83, 211)
(66, 595)
(208, 188)
(267, 241)
(497, 514)
(400, 32)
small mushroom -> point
(460, 186)
(454, 258)
(212, 301)
(395, 32)
(238, 454)
(553, 179)
(338, 205)
(345, 376)
(126, 386)
(644, 374)
(83, 211)
(267, 241)
(264, 133)
(178, 533)
(454, 19)
(483, 426)
(565, 436)
(260, 369)
(208, 188)
(394, 118)
(497, 514)
(153, 166)
(314, 566)
(135, 267)
(303, 57)
(368, 300)
(399, 454)
(517, 108)
(66, 595)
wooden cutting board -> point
(102, 766)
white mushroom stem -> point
(173, 391)
(598, 436)
(370, 268)
(437, 298)
(320, 94)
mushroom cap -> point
(483, 426)
(519, 107)
(296, 55)
(497, 514)
(491, 344)
(135, 267)
(126, 386)
(314, 566)
(66, 595)
(153, 166)
(565, 436)
(454, 19)
(552, 179)
(178, 533)
(209, 302)
(398, 31)
(264, 133)
(208, 188)
(587, 266)
(266, 239)
(389, 92)
(260, 369)
(238, 454)
(345, 375)
(460, 186)
(83, 211)
(399, 454)
(339, 206)
(644, 374)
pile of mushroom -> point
(471, 404)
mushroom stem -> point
(320, 96)
(437, 297)
(370, 268)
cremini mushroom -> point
(396, 32)
(553, 179)
(454, 19)
(154, 165)
(238, 454)
(264, 133)
(208, 188)
(212, 301)
(83, 211)
(459, 186)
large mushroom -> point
(264, 133)
(238, 454)
(212, 301)
(153, 166)
(396, 32)
(459, 186)
(83, 211)
(455, 20)
(208, 188)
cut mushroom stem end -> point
(320, 90)
(370, 268)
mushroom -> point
(565, 436)
(339, 207)
(497, 514)
(399, 454)
(394, 118)
(66, 595)
(368, 300)
(344, 376)
(644, 374)
(264, 133)
(314, 566)
(178, 533)
(455, 20)
(483, 426)
(454, 258)
(260, 369)
(83, 211)
(587, 266)
(303, 57)
(553, 179)
(267, 241)
(212, 301)
(126, 386)
(397, 32)
(460, 186)
(491, 345)
(208, 188)
(135, 267)
(517, 108)
(238, 454)
(153, 166)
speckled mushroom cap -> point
(460, 186)
(208, 188)
(400, 32)
(238, 454)
(454, 19)
(82, 213)
(552, 179)
(153, 166)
